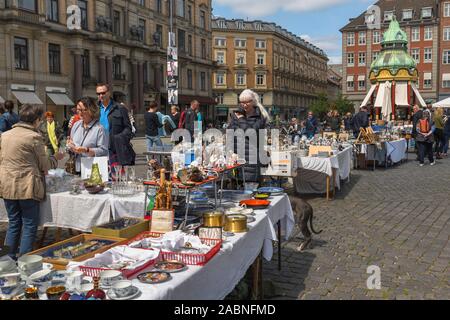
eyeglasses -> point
(246, 102)
(102, 93)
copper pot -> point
(213, 219)
(236, 223)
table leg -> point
(215, 195)
(328, 187)
(44, 234)
(279, 245)
(243, 176)
(334, 181)
(145, 201)
(221, 188)
(188, 200)
(257, 292)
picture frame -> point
(162, 221)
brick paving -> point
(397, 219)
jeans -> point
(425, 148)
(23, 216)
(446, 137)
(153, 140)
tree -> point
(321, 106)
(343, 105)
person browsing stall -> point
(88, 137)
(52, 133)
(23, 166)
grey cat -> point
(303, 212)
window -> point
(82, 4)
(189, 13)
(350, 39)
(427, 13)
(116, 22)
(142, 30)
(446, 33)
(427, 56)
(447, 9)
(415, 34)
(388, 15)
(202, 19)
(180, 8)
(181, 40)
(240, 58)
(427, 83)
(376, 37)
(415, 54)
(52, 10)
(240, 43)
(446, 84)
(203, 81)
(362, 38)
(258, 26)
(240, 79)
(261, 98)
(220, 78)
(260, 59)
(159, 6)
(428, 33)
(240, 24)
(159, 31)
(85, 63)
(30, 5)
(220, 57)
(190, 45)
(220, 42)
(361, 84)
(407, 14)
(375, 55)
(222, 24)
(117, 67)
(350, 83)
(203, 49)
(54, 58)
(446, 57)
(21, 53)
(219, 98)
(362, 59)
(260, 79)
(189, 78)
(260, 44)
(350, 59)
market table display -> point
(311, 172)
(385, 152)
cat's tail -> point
(311, 224)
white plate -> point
(113, 296)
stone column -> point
(135, 86)
(140, 106)
(101, 69)
(78, 76)
(109, 71)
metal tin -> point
(213, 219)
(236, 223)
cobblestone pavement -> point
(397, 219)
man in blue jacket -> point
(311, 125)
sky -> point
(317, 21)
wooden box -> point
(61, 263)
(126, 233)
(314, 150)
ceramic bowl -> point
(41, 276)
(7, 266)
(54, 293)
(108, 277)
(30, 264)
(9, 280)
(95, 189)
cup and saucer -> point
(123, 290)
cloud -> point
(328, 43)
(335, 60)
(256, 9)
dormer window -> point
(222, 24)
(407, 14)
(258, 26)
(240, 24)
(427, 13)
(388, 15)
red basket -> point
(194, 259)
(95, 272)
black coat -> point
(360, 120)
(152, 124)
(415, 118)
(256, 121)
(120, 135)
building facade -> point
(334, 81)
(121, 42)
(285, 70)
(420, 19)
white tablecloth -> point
(312, 171)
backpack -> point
(424, 125)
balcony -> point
(23, 16)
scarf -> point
(52, 135)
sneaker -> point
(421, 164)
(433, 163)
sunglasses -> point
(102, 93)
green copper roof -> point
(394, 54)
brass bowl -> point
(235, 223)
(95, 189)
(54, 293)
(213, 219)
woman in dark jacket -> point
(250, 115)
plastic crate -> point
(194, 259)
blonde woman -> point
(438, 120)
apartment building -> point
(420, 20)
(121, 42)
(285, 70)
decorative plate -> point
(154, 277)
(255, 204)
(170, 266)
(133, 295)
(271, 190)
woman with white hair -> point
(251, 114)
